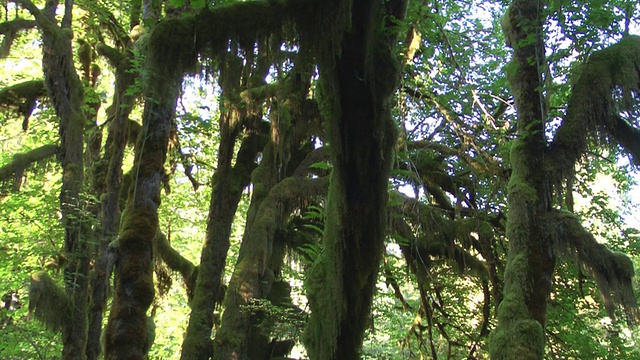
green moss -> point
(623, 263)
(524, 341)
(325, 286)
(515, 274)
(512, 309)
(593, 108)
(48, 302)
(497, 343)
(521, 337)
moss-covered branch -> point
(113, 55)
(483, 163)
(185, 37)
(10, 29)
(607, 85)
(174, 260)
(23, 97)
(14, 94)
(613, 271)
(15, 169)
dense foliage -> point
(319, 179)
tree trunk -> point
(67, 94)
(229, 182)
(110, 211)
(129, 332)
(356, 87)
(253, 274)
(531, 260)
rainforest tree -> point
(536, 229)
(320, 175)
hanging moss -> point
(181, 40)
(613, 271)
(48, 302)
(606, 86)
(444, 238)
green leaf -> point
(323, 165)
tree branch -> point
(175, 261)
(481, 163)
(113, 55)
(10, 29)
(612, 270)
(23, 96)
(15, 169)
(42, 20)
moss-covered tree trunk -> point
(110, 168)
(229, 182)
(356, 86)
(129, 331)
(253, 274)
(531, 259)
(67, 94)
